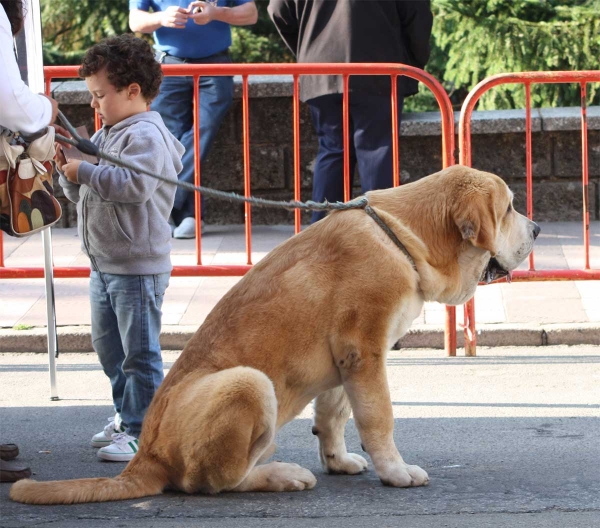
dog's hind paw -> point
(348, 464)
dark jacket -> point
(355, 31)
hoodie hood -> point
(174, 147)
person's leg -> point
(137, 301)
(216, 94)
(105, 336)
(328, 178)
(175, 105)
(372, 119)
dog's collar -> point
(371, 212)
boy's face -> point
(113, 106)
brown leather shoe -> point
(11, 471)
(8, 451)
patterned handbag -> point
(27, 202)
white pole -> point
(35, 74)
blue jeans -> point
(175, 105)
(126, 320)
(370, 123)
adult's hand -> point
(54, 104)
(202, 12)
(174, 17)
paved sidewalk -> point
(507, 314)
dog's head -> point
(467, 225)
(484, 214)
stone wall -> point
(498, 139)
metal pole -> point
(35, 75)
(50, 311)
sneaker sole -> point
(113, 457)
(100, 443)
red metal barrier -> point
(527, 79)
(296, 70)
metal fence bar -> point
(585, 176)
(345, 70)
(529, 162)
(465, 158)
(346, 130)
(395, 138)
(247, 189)
(297, 174)
(197, 169)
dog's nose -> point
(536, 230)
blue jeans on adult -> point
(175, 105)
(126, 319)
(370, 120)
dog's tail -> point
(140, 479)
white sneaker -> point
(123, 448)
(187, 228)
(104, 438)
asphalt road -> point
(510, 438)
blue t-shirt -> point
(194, 41)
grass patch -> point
(22, 327)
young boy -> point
(122, 223)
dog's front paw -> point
(401, 475)
(288, 477)
(348, 464)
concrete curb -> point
(78, 338)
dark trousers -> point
(175, 105)
(370, 123)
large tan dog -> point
(314, 319)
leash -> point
(362, 202)
(87, 147)
(387, 230)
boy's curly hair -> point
(127, 59)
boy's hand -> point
(70, 170)
(60, 157)
(174, 17)
(202, 12)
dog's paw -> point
(348, 464)
(401, 475)
(288, 477)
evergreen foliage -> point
(70, 27)
(480, 38)
(259, 43)
(472, 39)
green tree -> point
(70, 27)
(479, 38)
(472, 39)
(260, 42)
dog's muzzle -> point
(494, 271)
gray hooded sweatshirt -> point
(123, 215)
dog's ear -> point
(475, 217)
